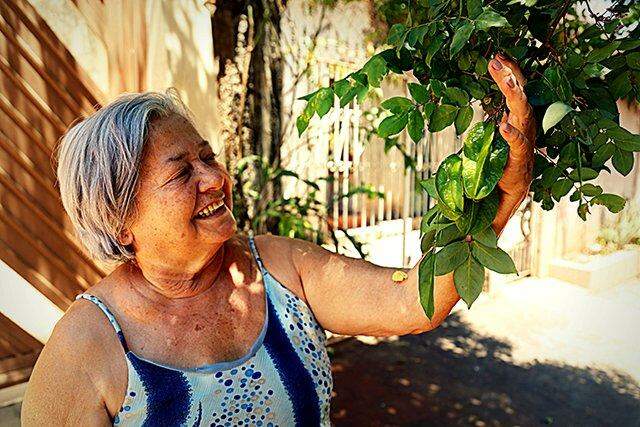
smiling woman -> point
(198, 324)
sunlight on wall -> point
(25, 306)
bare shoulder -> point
(79, 359)
(277, 256)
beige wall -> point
(132, 46)
(561, 232)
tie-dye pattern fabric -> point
(284, 380)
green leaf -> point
(561, 188)
(463, 119)
(449, 183)
(475, 153)
(597, 55)
(474, 8)
(308, 96)
(494, 169)
(585, 173)
(301, 124)
(486, 212)
(451, 256)
(591, 190)
(475, 89)
(622, 161)
(426, 281)
(478, 140)
(392, 125)
(460, 38)
(602, 154)
(555, 112)
(468, 217)
(448, 235)
(551, 175)
(583, 210)
(538, 93)
(558, 82)
(613, 202)
(341, 87)
(429, 108)
(375, 69)
(428, 239)
(416, 125)
(322, 101)
(396, 33)
(443, 116)
(490, 18)
(417, 34)
(435, 44)
(481, 66)
(428, 219)
(493, 258)
(437, 87)
(429, 185)
(419, 93)
(487, 237)
(621, 85)
(397, 104)
(633, 60)
(456, 96)
(624, 139)
(468, 279)
(482, 161)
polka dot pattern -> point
(247, 391)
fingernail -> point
(510, 82)
(506, 127)
(497, 65)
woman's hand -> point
(518, 128)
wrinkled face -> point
(179, 177)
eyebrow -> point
(180, 156)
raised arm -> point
(353, 296)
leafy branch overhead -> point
(578, 64)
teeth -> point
(209, 209)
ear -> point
(125, 237)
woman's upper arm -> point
(63, 386)
(353, 296)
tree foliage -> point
(577, 62)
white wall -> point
(25, 305)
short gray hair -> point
(98, 168)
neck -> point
(160, 283)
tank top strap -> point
(112, 320)
(256, 254)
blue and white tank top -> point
(284, 380)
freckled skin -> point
(192, 274)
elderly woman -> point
(199, 325)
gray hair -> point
(98, 168)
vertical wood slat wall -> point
(42, 92)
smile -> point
(210, 209)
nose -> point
(211, 178)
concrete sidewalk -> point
(547, 319)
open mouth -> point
(214, 209)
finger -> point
(515, 68)
(519, 163)
(510, 88)
(519, 145)
(521, 113)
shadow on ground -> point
(453, 376)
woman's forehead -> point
(172, 134)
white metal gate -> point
(340, 146)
